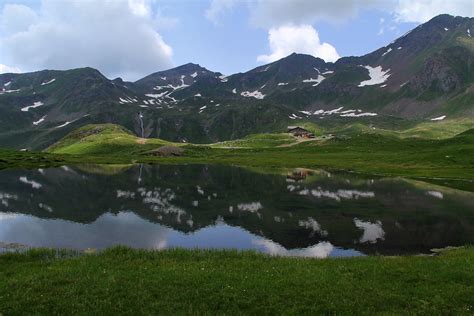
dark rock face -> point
(437, 75)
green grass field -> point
(126, 281)
(363, 152)
(374, 153)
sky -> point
(133, 38)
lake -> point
(296, 212)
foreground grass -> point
(126, 281)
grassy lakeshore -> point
(126, 281)
(450, 159)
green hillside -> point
(104, 139)
(383, 153)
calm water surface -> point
(286, 212)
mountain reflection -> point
(298, 212)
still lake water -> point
(287, 212)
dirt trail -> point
(299, 141)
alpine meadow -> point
(336, 176)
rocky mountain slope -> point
(425, 75)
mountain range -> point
(425, 75)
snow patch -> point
(328, 72)
(9, 91)
(358, 115)
(403, 84)
(223, 78)
(250, 207)
(35, 105)
(377, 76)
(329, 112)
(293, 116)
(399, 47)
(69, 122)
(48, 82)
(348, 111)
(388, 51)
(255, 94)
(7, 84)
(282, 83)
(234, 91)
(156, 96)
(194, 75)
(41, 120)
(127, 100)
(34, 184)
(335, 195)
(435, 194)
(372, 231)
(312, 224)
(64, 124)
(440, 118)
(446, 29)
(198, 95)
(315, 80)
(469, 32)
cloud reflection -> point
(108, 230)
(320, 250)
(372, 231)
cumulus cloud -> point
(304, 39)
(273, 13)
(270, 13)
(420, 11)
(117, 37)
(7, 69)
(219, 7)
(17, 18)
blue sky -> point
(132, 38)
(234, 44)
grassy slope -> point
(128, 281)
(375, 153)
(103, 139)
(258, 141)
(450, 158)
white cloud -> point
(117, 37)
(270, 13)
(139, 7)
(217, 8)
(420, 11)
(304, 39)
(274, 13)
(7, 69)
(17, 18)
